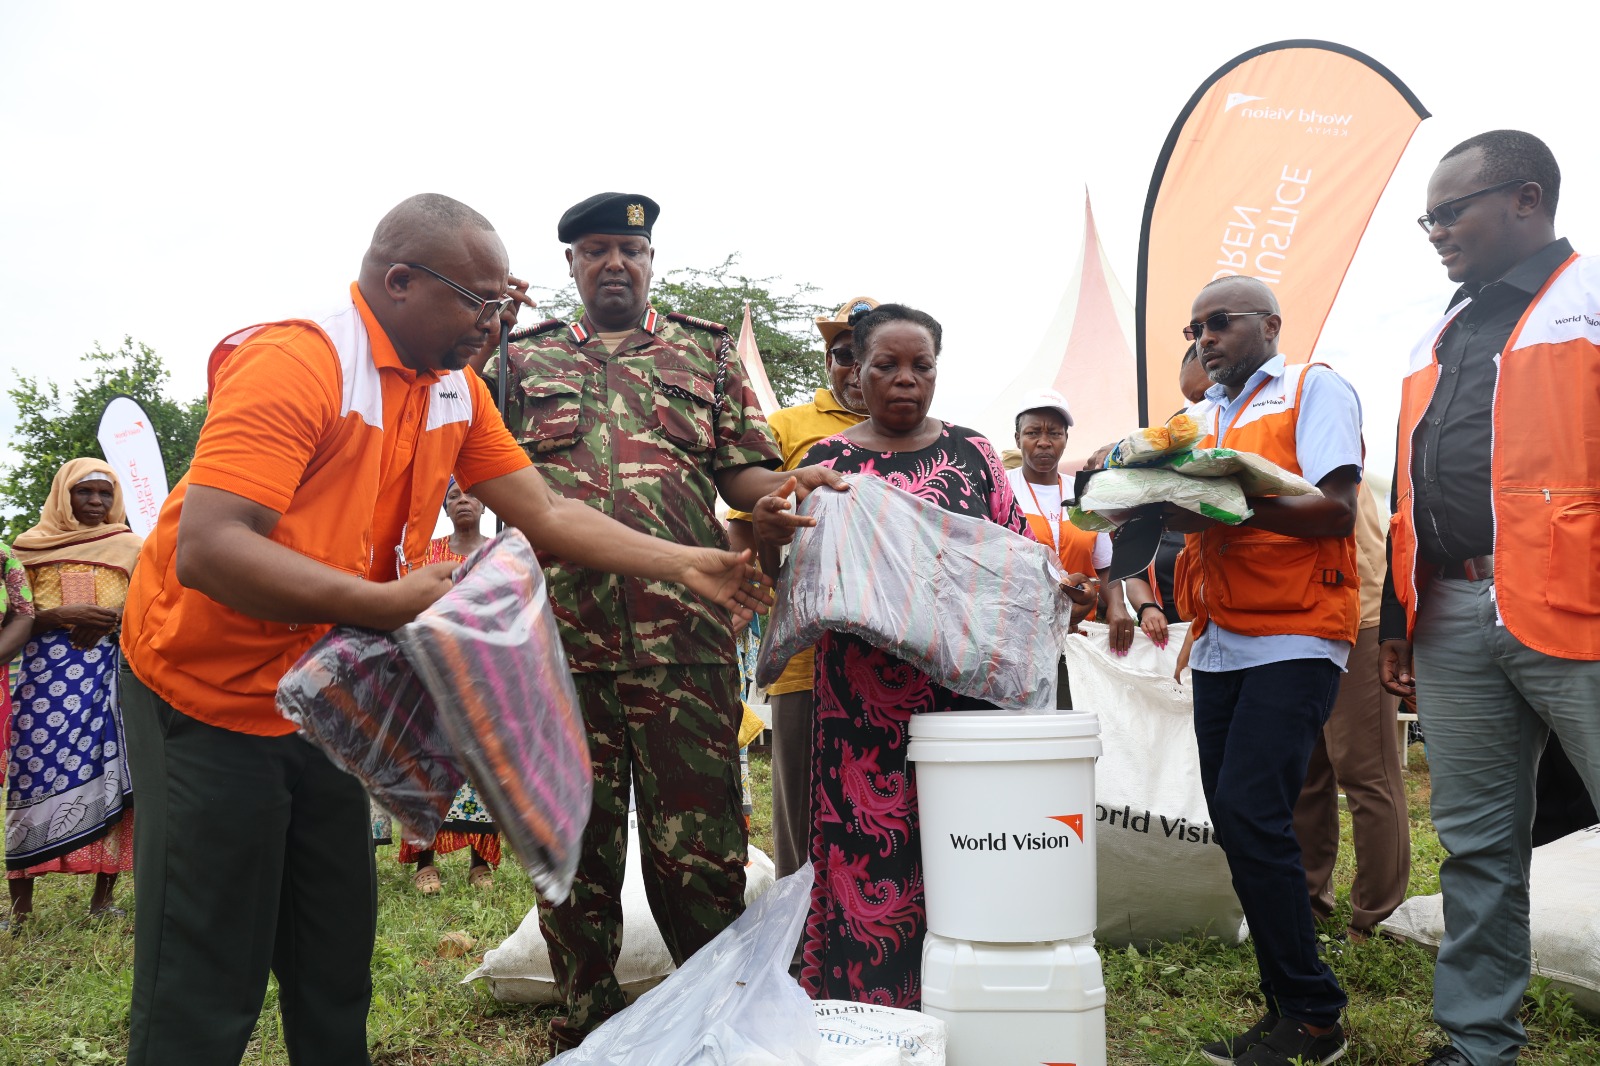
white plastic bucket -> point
(1020, 1004)
(1006, 802)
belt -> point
(1478, 568)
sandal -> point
(427, 880)
(481, 877)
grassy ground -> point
(64, 984)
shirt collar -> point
(1272, 368)
(1527, 276)
(384, 356)
(583, 329)
(826, 404)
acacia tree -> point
(52, 429)
(781, 316)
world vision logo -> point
(1309, 116)
(123, 434)
(1004, 841)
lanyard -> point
(1055, 528)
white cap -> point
(1046, 400)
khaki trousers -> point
(1359, 753)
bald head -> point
(1251, 294)
(418, 227)
(432, 264)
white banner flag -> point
(130, 446)
(755, 372)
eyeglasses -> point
(844, 355)
(488, 310)
(1445, 214)
(1217, 323)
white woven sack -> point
(863, 1034)
(1161, 875)
(518, 971)
(1563, 917)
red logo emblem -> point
(1073, 822)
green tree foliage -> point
(51, 430)
(781, 315)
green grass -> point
(64, 984)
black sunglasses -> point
(844, 355)
(1217, 323)
(1445, 214)
(488, 310)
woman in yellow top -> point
(69, 800)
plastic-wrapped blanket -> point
(491, 657)
(354, 696)
(968, 602)
(1208, 481)
(477, 686)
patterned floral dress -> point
(16, 598)
(467, 824)
(863, 936)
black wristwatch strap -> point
(1144, 607)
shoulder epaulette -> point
(698, 323)
(533, 331)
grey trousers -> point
(1358, 752)
(791, 780)
(1486, 703)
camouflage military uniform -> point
(639, 433)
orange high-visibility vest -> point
(1544, 468)
(1076, 551)
(1254, 582)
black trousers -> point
(251, 854)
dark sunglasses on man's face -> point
(488, 310)
(844, 355)
(1216, 323)
(1445, 214)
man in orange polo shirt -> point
(310, 502)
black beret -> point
(609, 212)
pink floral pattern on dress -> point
(864, 932)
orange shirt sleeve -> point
(274, 400)
(489, 450)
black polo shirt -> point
(1450, 449)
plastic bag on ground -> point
(354, 696)
(732, 1004)
(1563, 917)
(489, 653)
(968, 602)
(518, 970)
(1161, 874)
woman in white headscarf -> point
(69, 800)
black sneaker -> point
(1447, 1056)
(1289, 1044)
(1224, 1052)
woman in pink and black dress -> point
(863, 936)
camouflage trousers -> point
(674, 731)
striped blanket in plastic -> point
(478, 686)
(489, 653)
(354, 695)
(966, 601)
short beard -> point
(1236, 374)
(842, 402)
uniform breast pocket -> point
(685, 407)
(552, 410)
(1572, 581)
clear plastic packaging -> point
(489, 653)
(1208, 481)
(732, 1004)
(354, 695)
(968, 602)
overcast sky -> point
(175, 172)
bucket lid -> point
(1003, 725)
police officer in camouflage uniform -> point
(647, 417)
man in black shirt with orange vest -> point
(1493, 587)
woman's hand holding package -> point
(1083, 591)
(774, 516)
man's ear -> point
(570, 274)
(397, 282)
(1271, 325)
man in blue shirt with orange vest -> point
(1493, 597)
(1275, 610)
